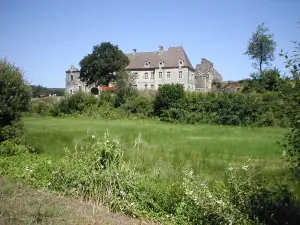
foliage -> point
(267, 80)
(8, 148)
(77, 102)
(141, 104)
(100, 66)
(15, 96)
(38, 90)
(261, 47)
(125, 82)
(291, 96)
(240, 109)
(168, 96)
(42, 108)
(228, 109)
(95, 170)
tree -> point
(101, 65)
(15, 96)
(261, 47)
(125, 81)
(291, 96)
(168, 96)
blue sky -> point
(44, 38)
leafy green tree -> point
(101, 65)
(168, 96)
(261, 47)
(291, 95)
(15, 95)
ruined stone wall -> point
(205, 75)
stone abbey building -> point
(153, 69)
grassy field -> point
(165, 147)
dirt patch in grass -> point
(22, 205)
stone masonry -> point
(153, 69)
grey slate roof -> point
(170, 58)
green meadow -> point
(152, 145)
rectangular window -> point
(152, 75)
(146, 76)
(146, 86)
(152, 86)
(136, 75)
(168, 75)
(160, 75)
(180, 74)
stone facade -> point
(153, 69)
(73, 82)
(205, 75)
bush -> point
(15, 96)
(8, 148)
(41, 108)
(168, 96)
(77, 103)
(141, 105)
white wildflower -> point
(107, 141)
(93, 136)
(132, 203)
(245, 167)
(49, 183)
(230, 168)
(102, 166)
(49, 162)
(30, 171)
(26, 168)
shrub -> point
(141, 105)
(77, 102)
(168, 96)
(15, 96)
(291, 96)
(41, 108)
(8, 148)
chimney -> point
(161, 48)
(134, 51)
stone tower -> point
(73, 83)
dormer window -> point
(161, 63)
(180, 62)
(147, 64)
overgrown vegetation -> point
(95, 170)
(291, 95)
(171, 103)
(15, 96)
(40, 91)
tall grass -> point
(208, 149)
